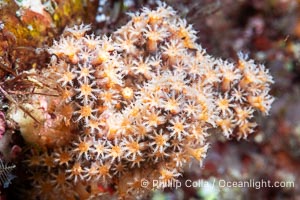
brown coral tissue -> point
(2, 124)
(141, 104)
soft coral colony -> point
(138, 104)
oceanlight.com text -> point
(257, 184)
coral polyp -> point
(139, 104)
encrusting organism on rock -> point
(136, 105)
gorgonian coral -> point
(142, 101)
